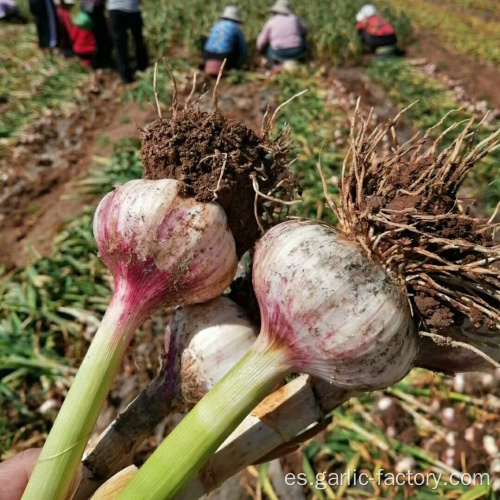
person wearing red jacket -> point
(82, 42)
(374, 30)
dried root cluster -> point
(402, 207)
(220, 159)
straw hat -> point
(365, 12)
(233, 13)
(282, 7)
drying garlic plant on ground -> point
(276, 320)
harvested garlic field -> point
(295, 267)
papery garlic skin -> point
(337, 313)
(210, 339)
(167, 248)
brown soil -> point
(406, 207)
(216, 159)
(436, 313)
(53, 153)
(357, 84)
(479, 79)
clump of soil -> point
(403, 209)
(219, 159)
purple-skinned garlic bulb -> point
(163, 250)
(328, 310)
(337, 314)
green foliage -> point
(405, 85)
(32, 81)
(46, 308)
(24, 8)
(124, 165)
(483, 6)
(457, 29)
(314, 125)
(143, 91)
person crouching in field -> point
(102, 57)
(125, 16)
(64, 24)
(376, 33)
(73, 39)
(226, 41)
(283, 37)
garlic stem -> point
(279, 420)
(61, 454)
(209, 423)
(119, 442)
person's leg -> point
(141, 52)
(118, 23)
(271, 56)
(102, 57)
(231, 63)
(386, 46)
(52, 23)
(64, 39)
(39, 12)
(386, 40)
(232, 60)
(291, 54)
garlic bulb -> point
(162, 247)
(212, 337)
(338, 314)
(162, 250)
(327, 310)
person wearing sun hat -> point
(376, 33)
(226, 41)
(283, 37)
